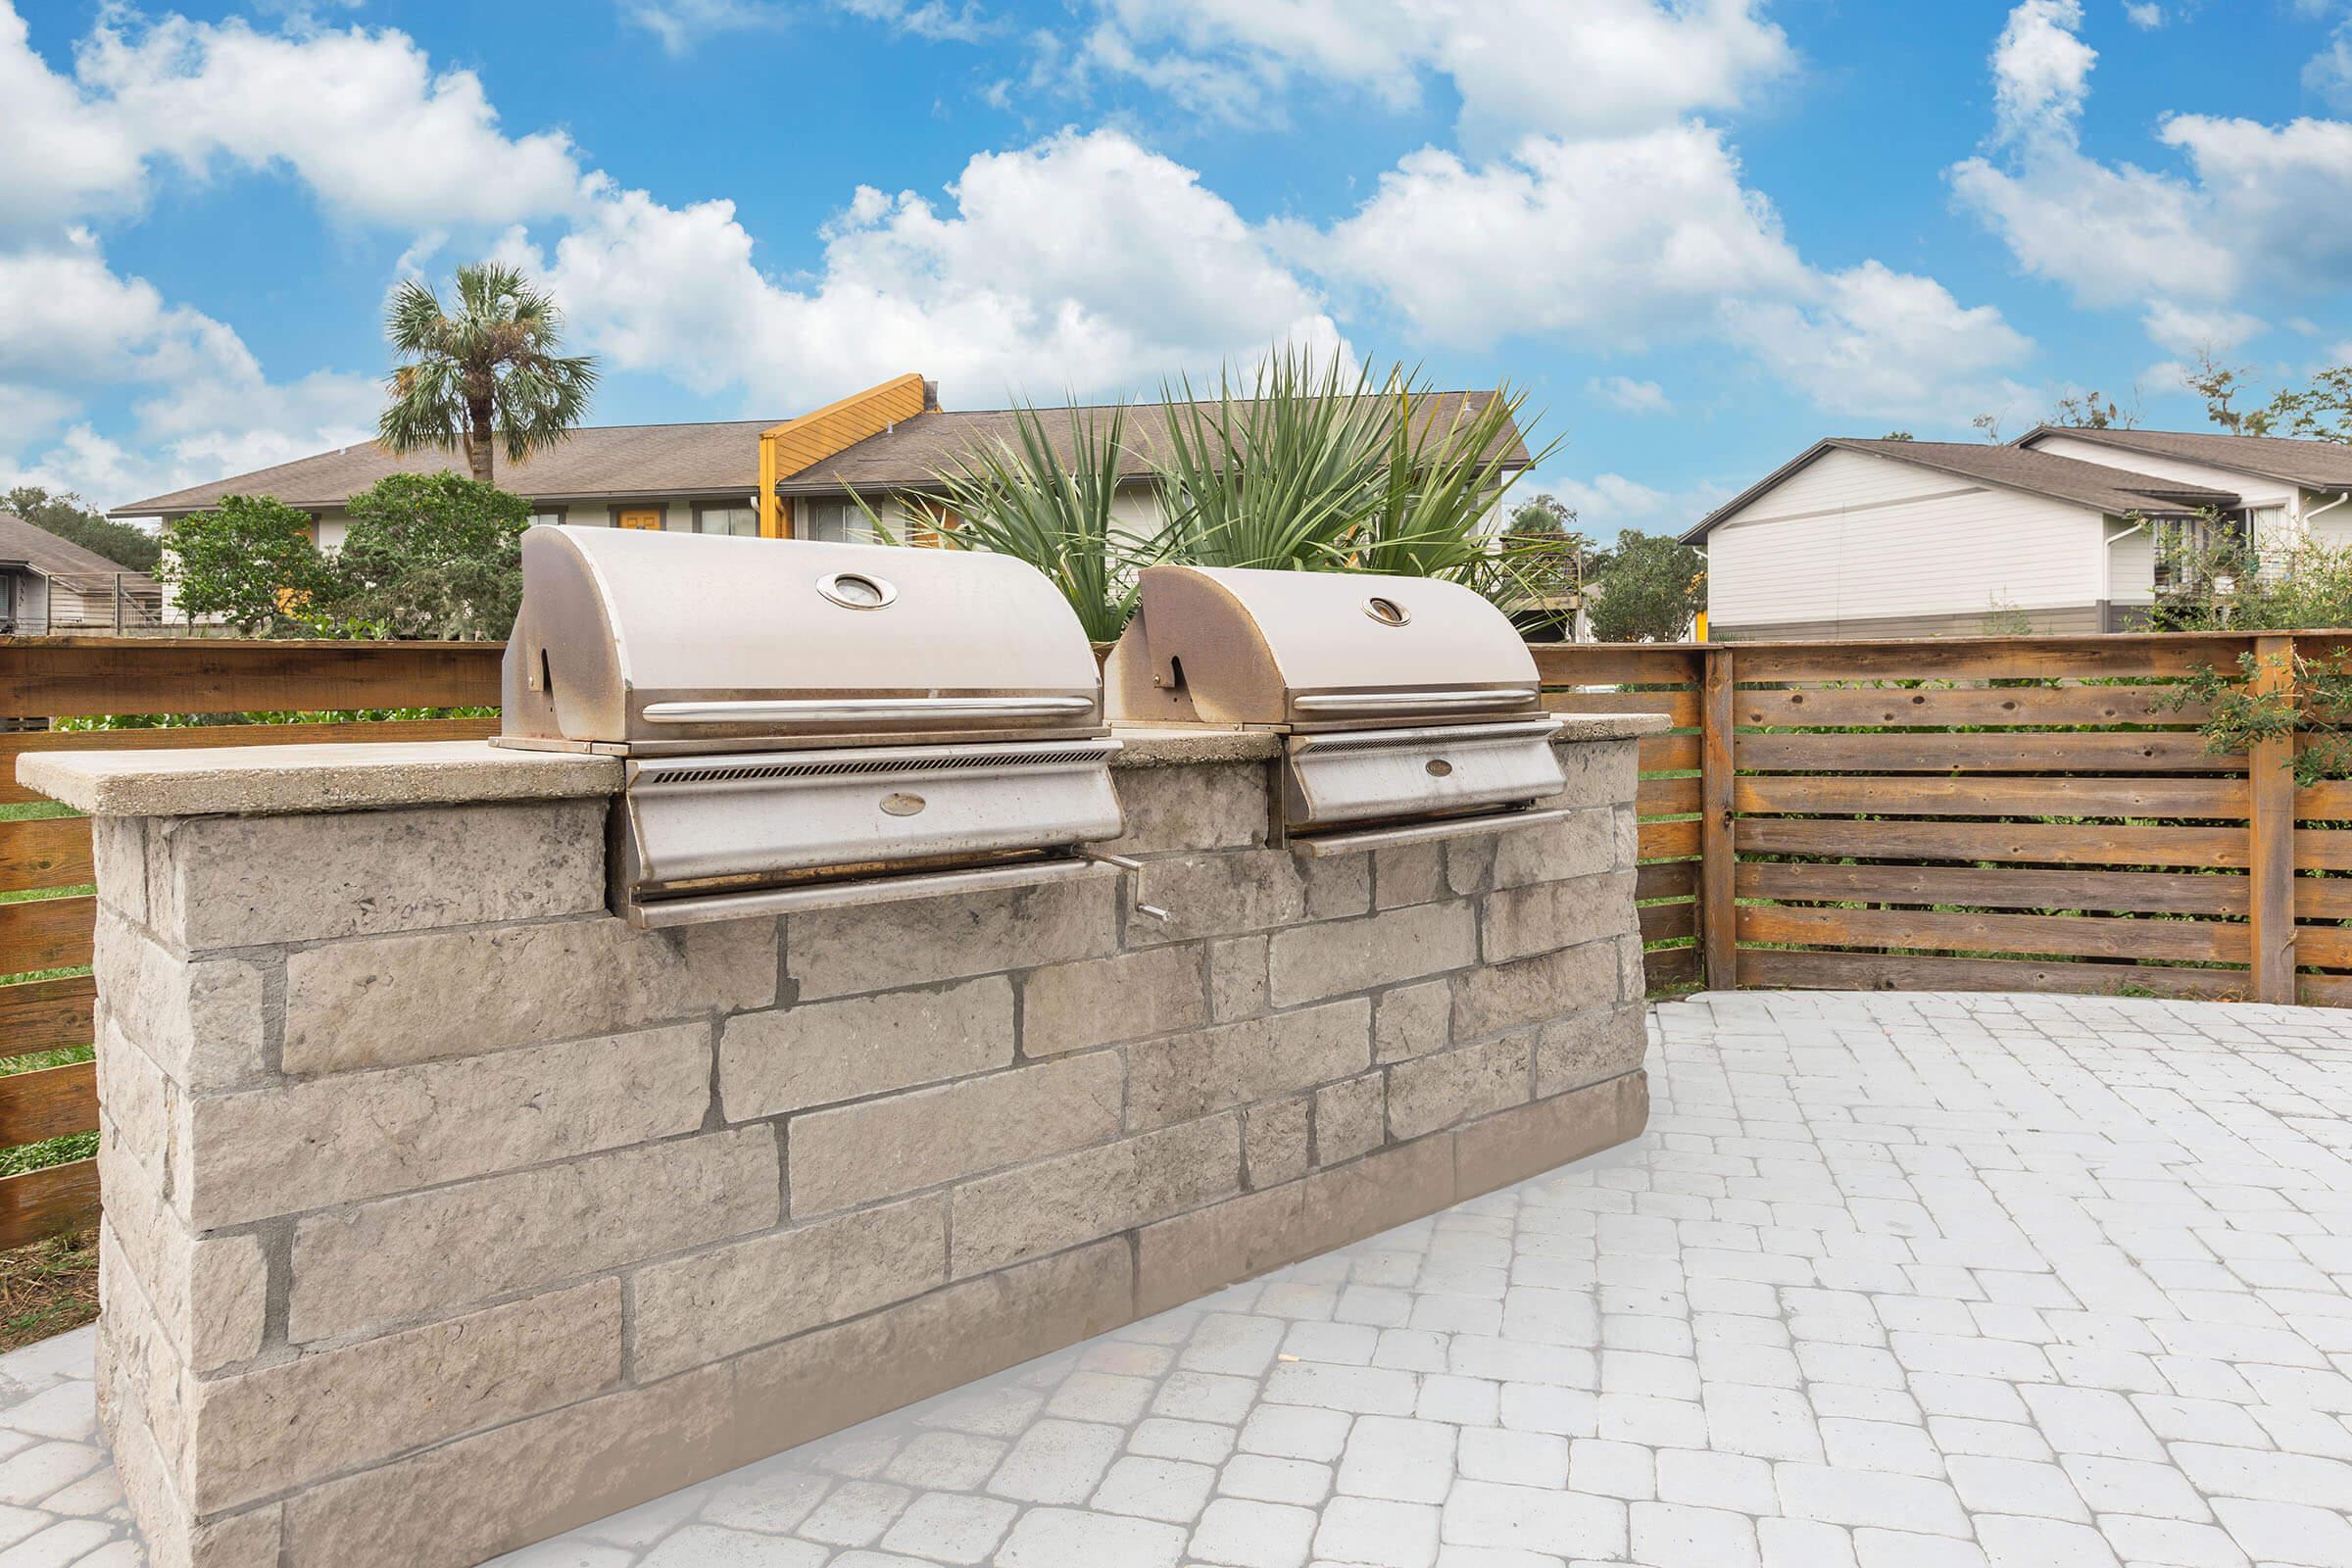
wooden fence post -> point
(2271, 833)
(1718, 913)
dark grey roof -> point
(52, 556)
(622, 462)
(2320, 464)
(910, 453)
(2093, 486)
(617, 461)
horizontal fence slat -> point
(1616, 663)
(40, 1203)
(2330, 801)
(1665, 922)
(1939, 706)
(2032, 843)
(1994, 795)
(177, 736)
(2081, 936)
(48, 1103)
(2326, 849)
(2323, 898)
(2161, 657)
(45, 852)
(52, 675)
(45, 1014)
(1666, 879)
(1870, 971)
(2324, 946)
(2146, 891)
(1670, 968)
(2146, 750)
(46, 933)
(1666, 797)
(1666, 841)
(1680, 707)
(1668, 754)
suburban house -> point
(802, 479)
(2058, 531)
(49, 584)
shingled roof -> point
(2093, 485)
(22, 542)
(2320, 464)
(627, 462)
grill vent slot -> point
(849, 768)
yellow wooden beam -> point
(800, 444)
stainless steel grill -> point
(812, 724)
(1412, 706)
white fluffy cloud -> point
(1084, 263)
(2184, 331)
(1592, 67)
(1874, 342)
(1607, 503)
(682, 25)
(1630, 395)
(2183, 248)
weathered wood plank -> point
(2143, 892)
(1717, 938)
(1670, 968)
(2081, 935)
(44, 1014)
(13, 747)
(2325, 990)
(1863, 971)
(46, 933)
(1665, 922)
(54, 675)
(49, 1103)
(1924, 705)
(2323, 898)
(41, 1204)
(2271, 833)
(1680, 707)
(1667, 797)
(1616, 663)
(2325, 947)
(2330, 801)
(2027, 843)
(1668, 841)
(1668, 753)
(1992, 795)
(2159, 656)
(1669, 879)
(1981, 752)
(45, 852)
(2323, 848)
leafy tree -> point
(1987, 425)
(2089, 412)
(2319, 411)
(431, 554)
(250, 560)
(488, 377)
(1896, 435)
(1649, 591)
(66, 516)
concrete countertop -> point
(270, 780)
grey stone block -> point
(1096, 1001)
(820, 1053)
(884, 947)
(1237, 1063)
(1330, 959)
(1221, 806)
(1538, 917)
(1458, 1086)
(1077, 1197)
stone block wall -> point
(444, 1211)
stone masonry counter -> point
(444, 1211)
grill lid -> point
(653, 643)
(1316, 649)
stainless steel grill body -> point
(1408, 702)
(810, 724)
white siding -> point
(2254, 489)
(2130, 563)
(1874, 537)
(2333, 526)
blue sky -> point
(1700, 233)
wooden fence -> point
(46, 911)
(2033, 813)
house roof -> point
(2320, 464)
(618, 461)
(21, 543)
(621, 461)
(2093, 485)
(911, 453)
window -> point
(841, 522)
(553, 516)
(648, 518)
(738, 522)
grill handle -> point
(1412, 702)
(858, 709)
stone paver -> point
(1900, 1280)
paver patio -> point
(1891, 1279)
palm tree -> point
(487, 375)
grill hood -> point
(1411, 707)
(647, 644)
